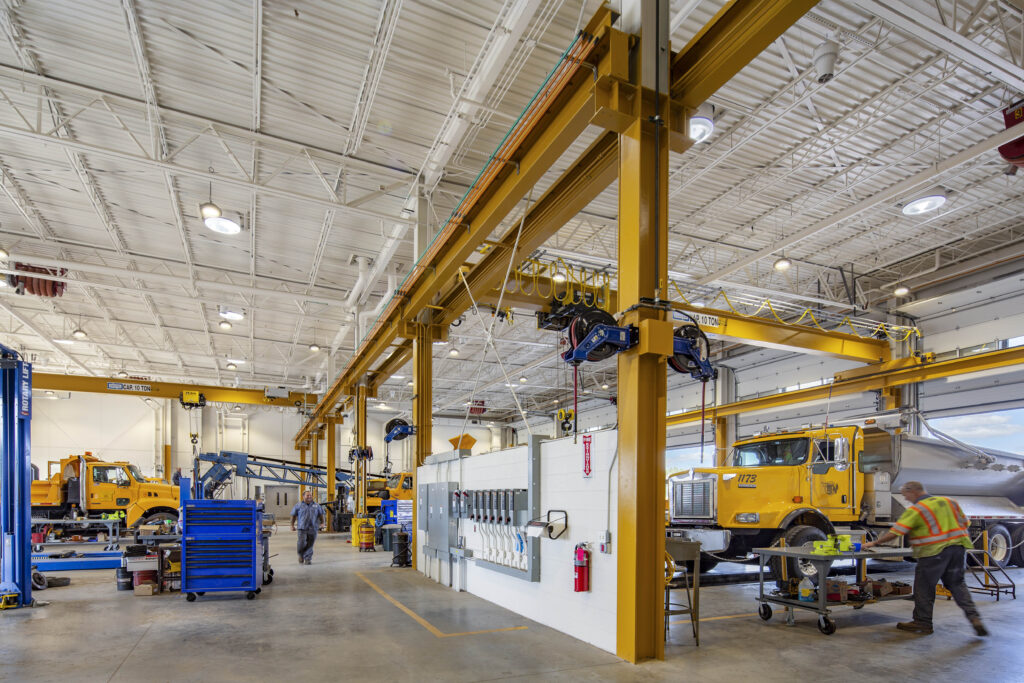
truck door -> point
(832, 475)
(109, 487)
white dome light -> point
(782, 264)
(901, 290)
(79, 333)
(702, 123)
(558, 277)
(222, 225)
(930, 201)
(209, 210)
(314, 347)
(224, 325)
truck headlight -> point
(748, 518)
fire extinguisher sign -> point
(587, 466)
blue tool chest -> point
(221, 547)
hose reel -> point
(581, 327)
(692, 353)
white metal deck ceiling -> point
(311, 120)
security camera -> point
(825, 56)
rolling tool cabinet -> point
(221, 547)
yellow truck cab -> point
(84, 485)
(795, 485)
(399, 486)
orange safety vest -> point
(933, 523)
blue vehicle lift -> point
(264, 469)
(15, 480)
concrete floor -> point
(328, 621)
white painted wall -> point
(111, 427)
(591, 616)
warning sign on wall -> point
(587, 465)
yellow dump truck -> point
(84, 485)
(802, 484)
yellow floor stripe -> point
(727, 616)
(423, 622)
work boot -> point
(915, 627)
(301, 561)
(979, 627)
(309, 560)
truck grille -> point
(692, 499)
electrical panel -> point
(422, 506)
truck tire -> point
(159, 518)
(707, 563)
(999, 544)
(1017, 536)
(796, 537)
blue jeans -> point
(307, 537)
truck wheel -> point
(1017, 536)
(707, 563)
(998, 545)
(798, 536)
(159, 518)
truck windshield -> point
(766, 453)
(375, 485)
(136, 473)
(394, 480)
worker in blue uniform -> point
(307, 519)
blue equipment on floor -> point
(15, 480)
(221, 546)
(110, 559)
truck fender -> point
(808, 516)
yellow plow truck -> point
(801, 485)
(85, 486)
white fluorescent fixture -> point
(232, 366)
(901, 290)
(440, 342)
(558, 277)
(314, 347)
(782, 264)
(702, 123)
(929, 201)
(523, 380)
(231, 313)
(64, 342)
(79, 333)
(224, 325)
(222, 225)
(384, 406)
(237, 361)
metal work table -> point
(822, 563)
(113, 530)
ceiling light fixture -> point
(605, 386)
(231, 313)
(237, 408)
(4, 253)
(702, 123)
(224, 325)
(122, 374)
(79, 333)
(410, 383)
(232, 366)
(214, 219)
(49, 392)
(523, 380)
(699, 304)
(782, 264)
(453, 352)
(238, 361)
(314, 347)
(64, 342)
(825, 57)
(929, 201)
(558, 277)
(901, 290)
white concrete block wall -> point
(591, 616)
(111, 427)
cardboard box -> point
(145, 589)
(900, 588)
(879, 589)
(837, 591)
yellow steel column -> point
(643, 272)
(332, 462)
(422, 407)
(721, 440)
(167, 463)
(314, 452)
(360, 464)
(302, 461)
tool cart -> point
(221, 547)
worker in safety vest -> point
(938, 533)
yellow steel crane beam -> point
(885, 376)
(146, 388)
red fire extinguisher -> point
(581, 561)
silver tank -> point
(943, 468)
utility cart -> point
(221, 547)
(822, 563)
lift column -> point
(332, 463)
(643, 274)
(360, 463)
(15, 480)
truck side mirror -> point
(841, 449)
